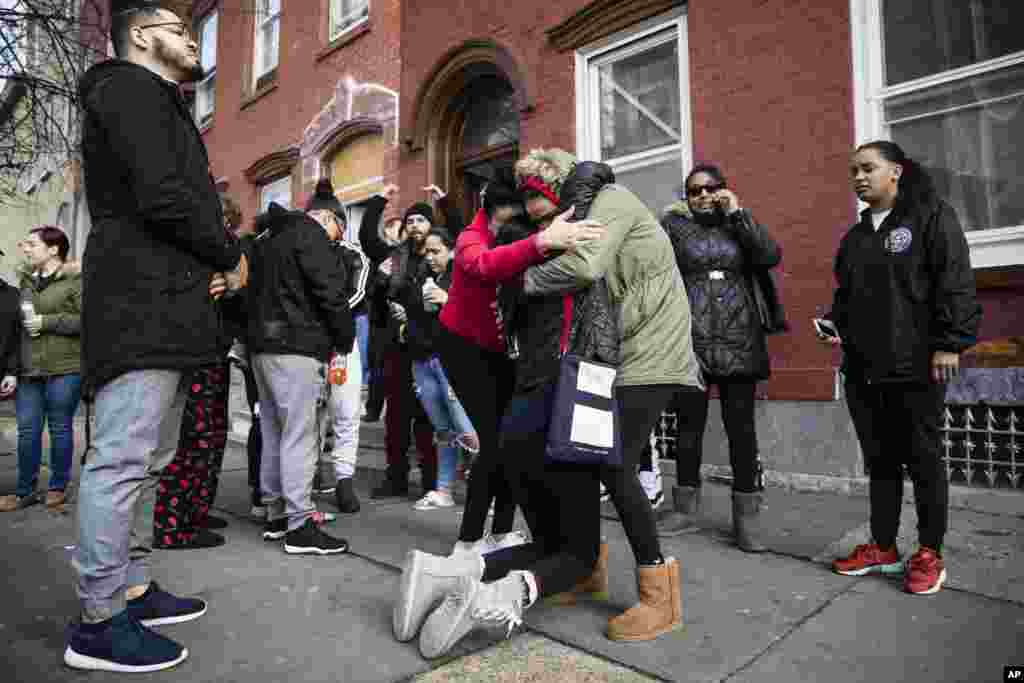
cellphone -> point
(825, 329)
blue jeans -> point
(138, 422)
(363, 340)
(55, 400)
(446, 414)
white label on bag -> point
(592, 427)
(595, 379)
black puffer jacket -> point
(717, 264)
(299, 298)
(157, 232)
(534, 324)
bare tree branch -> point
(45, 47)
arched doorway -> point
(478, 135)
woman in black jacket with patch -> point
(905, 308)
(719, 249)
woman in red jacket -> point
(472, 347)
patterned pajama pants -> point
(188, 484)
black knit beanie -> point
(420, 208)
(323, 199)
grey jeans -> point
(138, 422)
(292, 393)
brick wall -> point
(307, 76)
(771, 99)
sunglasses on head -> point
(697, 190)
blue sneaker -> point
(157, 607)
(121, 644)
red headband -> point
(535, 183)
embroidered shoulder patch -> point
(898, 241)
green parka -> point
(636, 259)
(57, 350)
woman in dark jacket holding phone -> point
(905, 309)
(719, 247)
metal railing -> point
(982, 445)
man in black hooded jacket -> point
(298, 314)
(148, 318)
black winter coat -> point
(534, 324)
(424, 328)
(904, 292)
(298, 298)
(717, 263)
(235, 305)
(157, 232)
(10, 330)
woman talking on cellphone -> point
(905, 309)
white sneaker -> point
(472, 605)
(652, 484)
(466, 548)
(239, 355)
(494, 542)
(425, 580)
(434, 500)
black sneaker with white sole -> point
(121, 644)
(275, 530)
(308, 539)
(157, 607)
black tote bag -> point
(584, 428)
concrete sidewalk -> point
(782, 616)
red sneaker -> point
(869, 558)
(926, 572)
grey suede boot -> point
(746, 521)
(682, 517)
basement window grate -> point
(982, 445)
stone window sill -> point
(259, 94)
(348, 36)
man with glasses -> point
(156, 257)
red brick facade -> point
(771, 100)
(770, 89)
(310, 73)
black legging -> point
(737, 401)
(560, 502)
(640, 408)
(897, 424)
(375, 393)
(483, 381)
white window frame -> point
(362, 16)
(209, 81)
(612, 48)
(273, 187)
(262, 21)
(990, 248)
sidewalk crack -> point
(783, 636)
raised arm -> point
(369, 230)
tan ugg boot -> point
(660, 609)
(596, 584)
